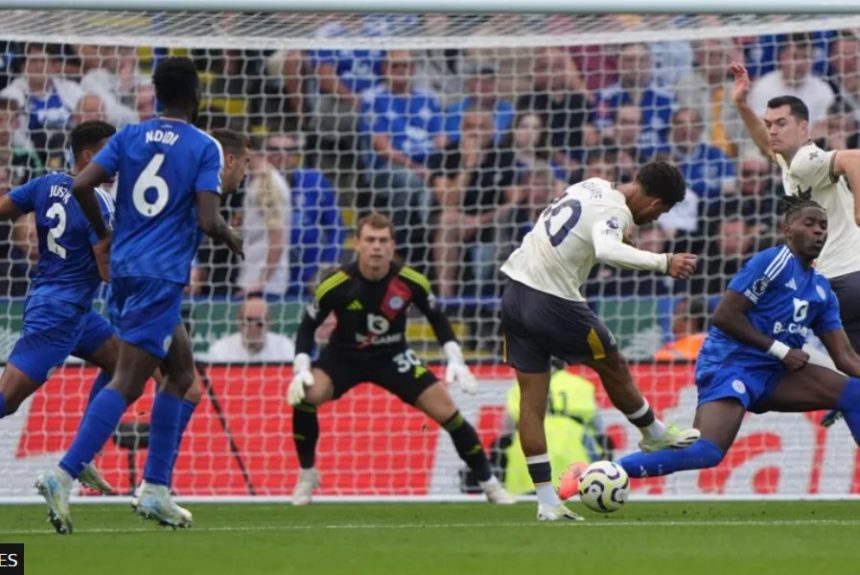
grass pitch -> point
(643, 538)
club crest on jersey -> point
(396, 302)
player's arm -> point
(754, 124)
(422, 296)
(212, 223)
(315, 313)
(847, 163)
(731, 317)
(84, 190)
(610, 248)
(8, 209)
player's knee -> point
(195, 392)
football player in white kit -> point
(545, 315)
(831, 178)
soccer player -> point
(58, 317)
(169, 186)
(370, 298)
(810, 172)
(752, 358)
(545, 315)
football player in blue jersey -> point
(169, 187)
(58, 317)
(752, 358)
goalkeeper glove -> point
(457, 371)
(302, 378)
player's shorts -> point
(403, 375)
(749, 385)
(148, 311)
(538, 326)
(846, 289)
(52, 332)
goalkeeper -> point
(370, 299)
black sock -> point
(468, 446)
(306, 431)
(539, 469)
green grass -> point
(450, 539)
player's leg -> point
(154, 499)
(718, 421)
(15, 387)
(525, 313)
(306, 427)
(617, 380)
(813, 388)
(435, 401)
(189, 404)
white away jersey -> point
(557, 255)
(811, 173)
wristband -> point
(778, 349)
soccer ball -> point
(604, 486)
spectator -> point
(564, 109)
(793, 76)
(528, 141)
(406, 128)
(536, 190)
(440, 70)
(482, 93)
(628, 127)
(470, 180)
(22, 164)
(100, 66)
(841, 127)
(14, 266)
(90, 107)
(844, 70)
(253, 341)
(689, 327)
(265, 226)
(573, 428)
(637, 87)
(317, 232)
(602, 162)
(144, 101)
(761, 53)
(707, 89)
(46, 99)
(287, 75)
(707, 170)
(343, 77)
(725, 256)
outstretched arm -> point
(611, 248)
(755, 125)
(731, 317)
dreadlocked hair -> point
(793, 205)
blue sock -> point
(2, 406)
(163, 434)
(188, 408)
(700, 455)
(99, 383)
(849, 405)
(99, 422)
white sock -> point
(547, 496)
(654, 431)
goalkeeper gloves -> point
(302, 378)
(457, 371)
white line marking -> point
(598, 523)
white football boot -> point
(55, 486)
(309, 479)
(156, 503)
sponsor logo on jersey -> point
(376, 324)
(801, 308)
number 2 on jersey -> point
(149, 179)
(59, 212)
(560, 218)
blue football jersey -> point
(162, 163)
(67, 267)
(788, 302)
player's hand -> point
(102, 253)
(795, 359)
(234, 242)
(741, 89)
(302, 378)
(682, 266)
(460, 374)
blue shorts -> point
(148, 311)
(52, 332)
(746, 384)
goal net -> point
(462, 127)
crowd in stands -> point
(464, 148)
